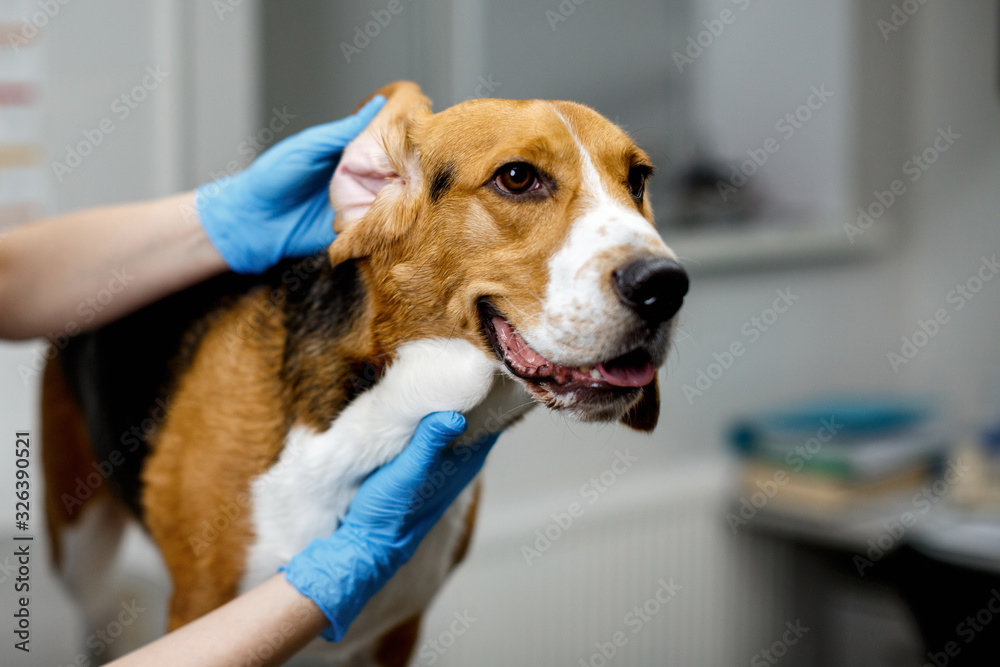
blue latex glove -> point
(392, 512)
(279, 206)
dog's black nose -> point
(654, 287)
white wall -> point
(954, 217)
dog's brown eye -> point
(517, 178)
(637, 176)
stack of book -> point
(837, 455)
(979, 489)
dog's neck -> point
(345, 333)
(404, 311)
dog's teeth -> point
(585, 369)
(594, 373)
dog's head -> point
(522, 227)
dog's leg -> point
(395, 647)
(225, 426)
(85, 521)
(465, 539)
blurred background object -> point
(24, 190)
(824, 459)
(826, 171)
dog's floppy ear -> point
(646, 412)
(377, 184)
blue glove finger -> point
(323, 145)
(452, 472)
(386, 521)
(313, 152)
(446, 470)
(387, 498)
(279, 206)
(306, 239)
(433, 434)
(322, 141)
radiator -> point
(649, 574)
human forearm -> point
(264, 626)
(88, 268)
(85, 269)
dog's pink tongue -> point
(627, 376)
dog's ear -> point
(377, 184)
(646, 412)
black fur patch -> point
(124, 374)
(442, 181)
(362, 377)
(122, 377)
(315, 310)
(316, 316)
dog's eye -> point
(517, 178)
(637, 177)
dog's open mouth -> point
(627, 372)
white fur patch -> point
(579, 310)
(89, 546)
(306, 493)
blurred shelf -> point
(761, 247)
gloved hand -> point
(278, 207)
(393, 511)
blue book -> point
(847, 439)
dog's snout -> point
(654, 287)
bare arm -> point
(266, 626)
(86, 269)
(91, 267)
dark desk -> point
(944, 566)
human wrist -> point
(226, 223)
(197, 245)
(340, 574)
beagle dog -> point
(492, 256)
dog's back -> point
(115, 383)
(108, 394)
(103, 397)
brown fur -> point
(462, 548)
(197, 477)
(395, 647)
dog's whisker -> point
(688, 260)
(685, 336)
(518, 407)
(517, 308)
